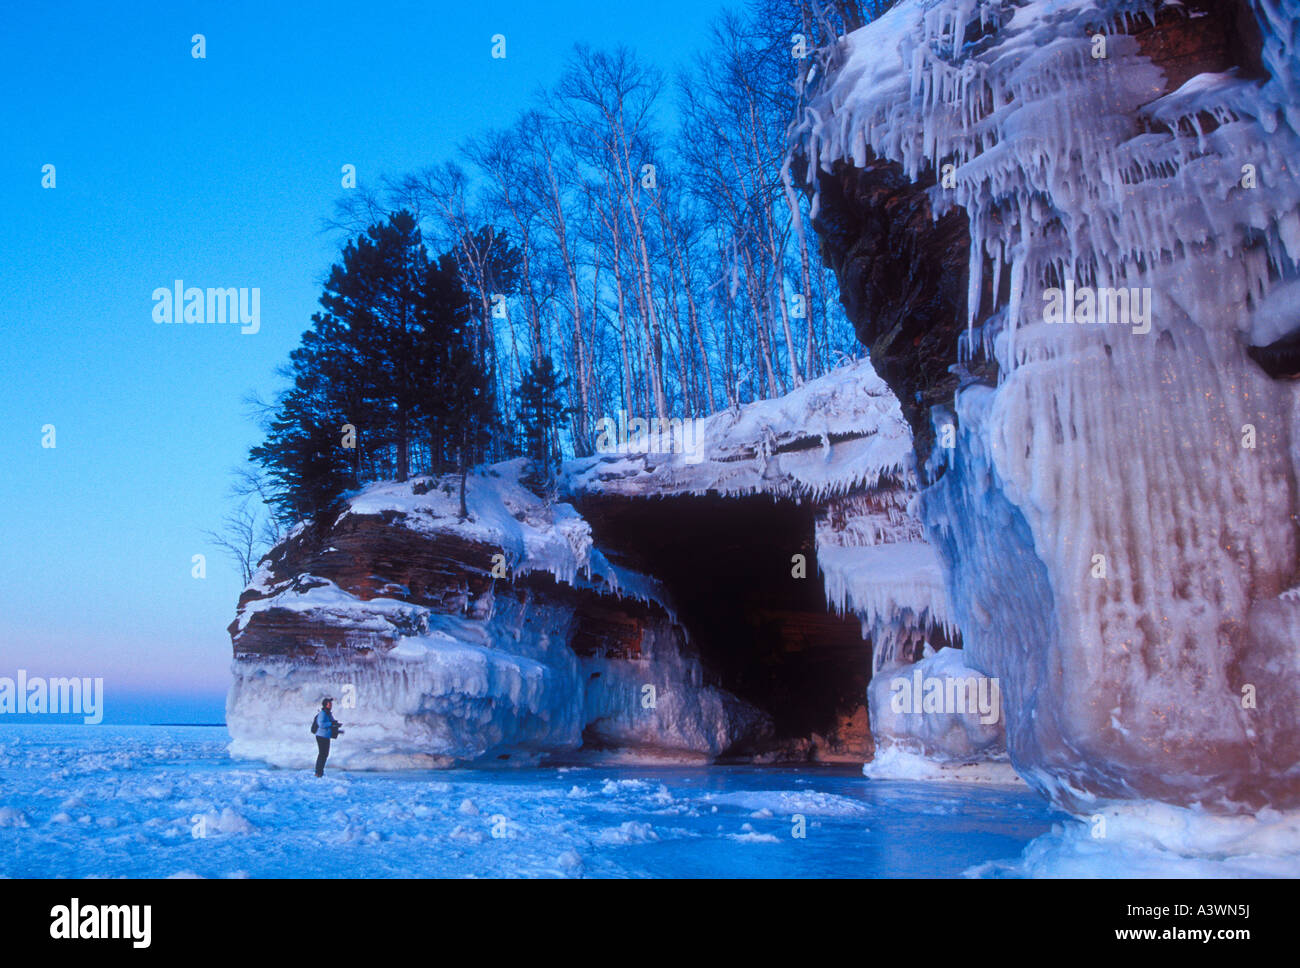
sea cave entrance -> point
(760, 632)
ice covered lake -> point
(133, 800)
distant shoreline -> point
(35, 721)
(177, 724)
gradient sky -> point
(218, 172)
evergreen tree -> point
(396, 352)
(470, 404)
(378, 309)
(541, 412)
(447, 334)
(304, 457)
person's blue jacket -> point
(326, 725)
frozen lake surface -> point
(140, 801)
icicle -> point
(974, 290)
(1018, 258)
(997, 270)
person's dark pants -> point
(322, 754)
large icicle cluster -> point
(875, 564)
(1117, 518)
(1069, 165)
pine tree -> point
(304, 457)
(377, 306)
(397, 352)
(447, 335)
(357, 365)
(542, 410)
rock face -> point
(1116, 512)
(506, 636)
(901, 275)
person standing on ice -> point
(326, 728)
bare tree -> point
(250, 528)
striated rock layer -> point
(504, 636)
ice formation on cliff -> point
(938, 708)
(1117, 517)
(419, 687)
(875, 564)
(688, 716)
(458, 691)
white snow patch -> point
(784, 446)
(1150, 839)
(894, 763)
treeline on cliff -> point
(631, 242)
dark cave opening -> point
(761, 633)
(1279, 359)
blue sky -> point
(219, 172)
